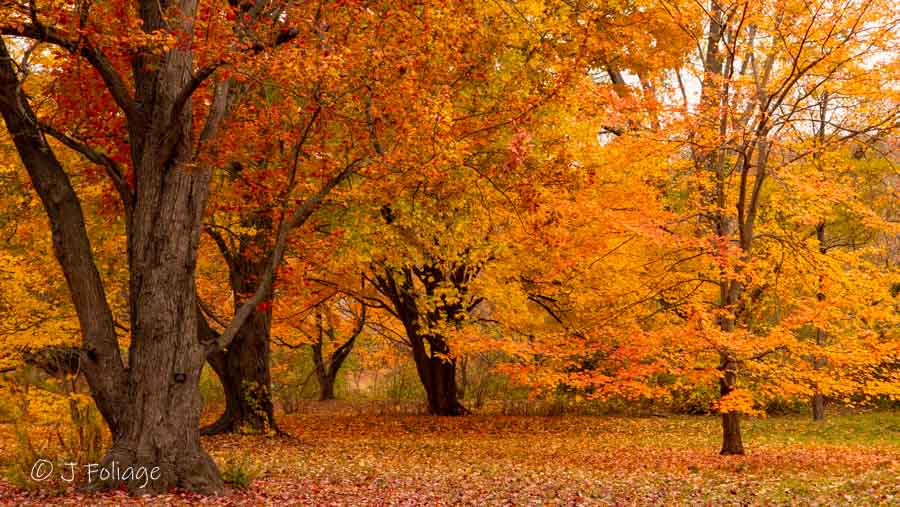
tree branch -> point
(101, 360)
(299, 216)
(111, 166)
(111, 77)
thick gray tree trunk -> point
(152, 406)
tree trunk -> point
(100, 359)
(153, 406)
(463, 384)
(326, 385)
(324, 374)
(245, 375)
(431, 353)
(818, 400)
(244, 367)
(731, 434)
(437, 372)
(165, 356)
(731, 421)
(161, 444)
(818, 407)
(161, 428)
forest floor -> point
(334, 458)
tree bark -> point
(818, 407)
(731, 421)
(463, 385)
(713, 96)
(437, 371)
(326, 389)
(438, 376)
(431, 353)
(731, 431)
(244, 371)
(325, 375)
(152, 407)
(165, 356)
(100, 358)
(244, 367)
(818, 400)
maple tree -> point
(621, 201)
(445, 249)
(759, 182)
(152, 411)
(463, 61)
(726, 267)
(330, 328)
(763, 69)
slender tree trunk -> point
(327, 371)
(731, 421)
(100, 359)
(463, 384)
(818, 400)
(818, 406)
(324, 375)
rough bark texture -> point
(165, 356)
(243, 367)
(153, 406)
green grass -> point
(871, 428)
